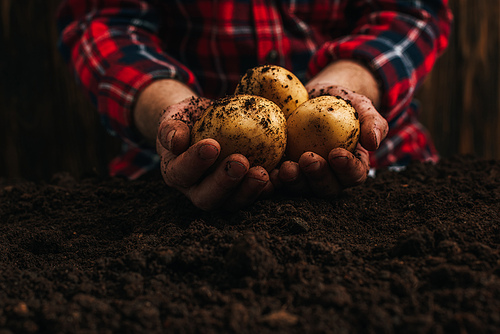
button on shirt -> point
(116, 48)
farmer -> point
(143, 61)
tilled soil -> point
(409, 252)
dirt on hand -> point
(415, 251)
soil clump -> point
(415, 251)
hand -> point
(341, 169)
(229, 185)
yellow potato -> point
(245, 124)
(275, 83)
(320, 125)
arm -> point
(378, 67)
(154, 98)
(147, 97)
(397, 41)
(341, 168)
(352, 75)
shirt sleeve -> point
(398, 40)
(113, 48)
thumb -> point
(174, 136)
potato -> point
(245, 124)
(275, 83)
(320, 125)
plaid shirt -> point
(118, 47)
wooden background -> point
(47, 125)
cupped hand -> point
(229, 185)
(340, 169)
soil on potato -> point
(413, 252)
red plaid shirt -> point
(117, 47)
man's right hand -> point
(230, 185)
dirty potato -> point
(245, 124)
(275, 83)
(320, 125)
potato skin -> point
(320, 125)
(245, 124)
(275, 83)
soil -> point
(415, 251)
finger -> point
(176, 121)
(374, 129)
(187, 169)
(321, 179)
(253, 185)
(213, 191)
(291, 178)
(174, 136)
(350, 169)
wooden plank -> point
(46, 123)
(460, 100)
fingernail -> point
(290, 179)
(339, 158)
(170, 139)
(259, 181)
(208, 152)
(263, 180)
(377, 135)
(312, 167)
(235, 169)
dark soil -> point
(409, 252)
